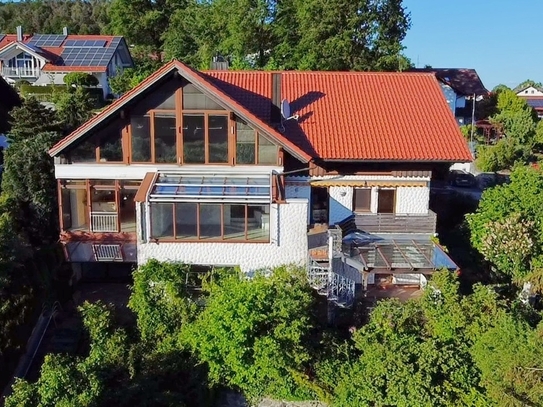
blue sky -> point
(499, 38)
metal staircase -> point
(328, 279)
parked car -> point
(460, 178)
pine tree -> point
(30, 119)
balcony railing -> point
(396, 223)
(20, 72)
(104, 222)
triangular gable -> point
(24, 48)
(202, 84)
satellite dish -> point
(285, 109)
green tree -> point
(504, 154)
(161, 302)
(29, 179)
(516, 119)
(507, 227)
(517, 123)
(74, 107)
(510, 357)
(254, 332)
(30, 119)
(143, 22)
(129, 78)
(50, 16)
(340, 35)
(418, 353)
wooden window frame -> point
(206, 114)
(61, 184)
(117, 186)
(221, 239)
(257, 134)
(394, 200)
(355, 209)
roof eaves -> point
(197, 79)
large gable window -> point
(106, 146)
(177, 124)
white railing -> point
(104, 222)
(21, 72)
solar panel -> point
(85, 43)
(535, 102)
(47, 40)
(115, 42)
(87, 56)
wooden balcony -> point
(396, 223)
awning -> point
(364, 184)
(187, 187)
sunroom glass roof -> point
(211, 186)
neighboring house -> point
(460, 87)
(202, 168)
(534, 97)
(44, 59)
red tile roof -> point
(342, 115)
(358, 115)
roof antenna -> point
(286, 114)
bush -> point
(80, 79)
(501, 156)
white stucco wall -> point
(413, 200)
(297, 190)
(341, 203)
(288, 244)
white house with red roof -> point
(330, 170)
(44, 59)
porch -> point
(340, 259)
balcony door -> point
(386, 201)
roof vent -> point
(20, 33)
(64, 30)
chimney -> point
(64, 30)
(19, 33)
(219, 63)
(276, 98)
